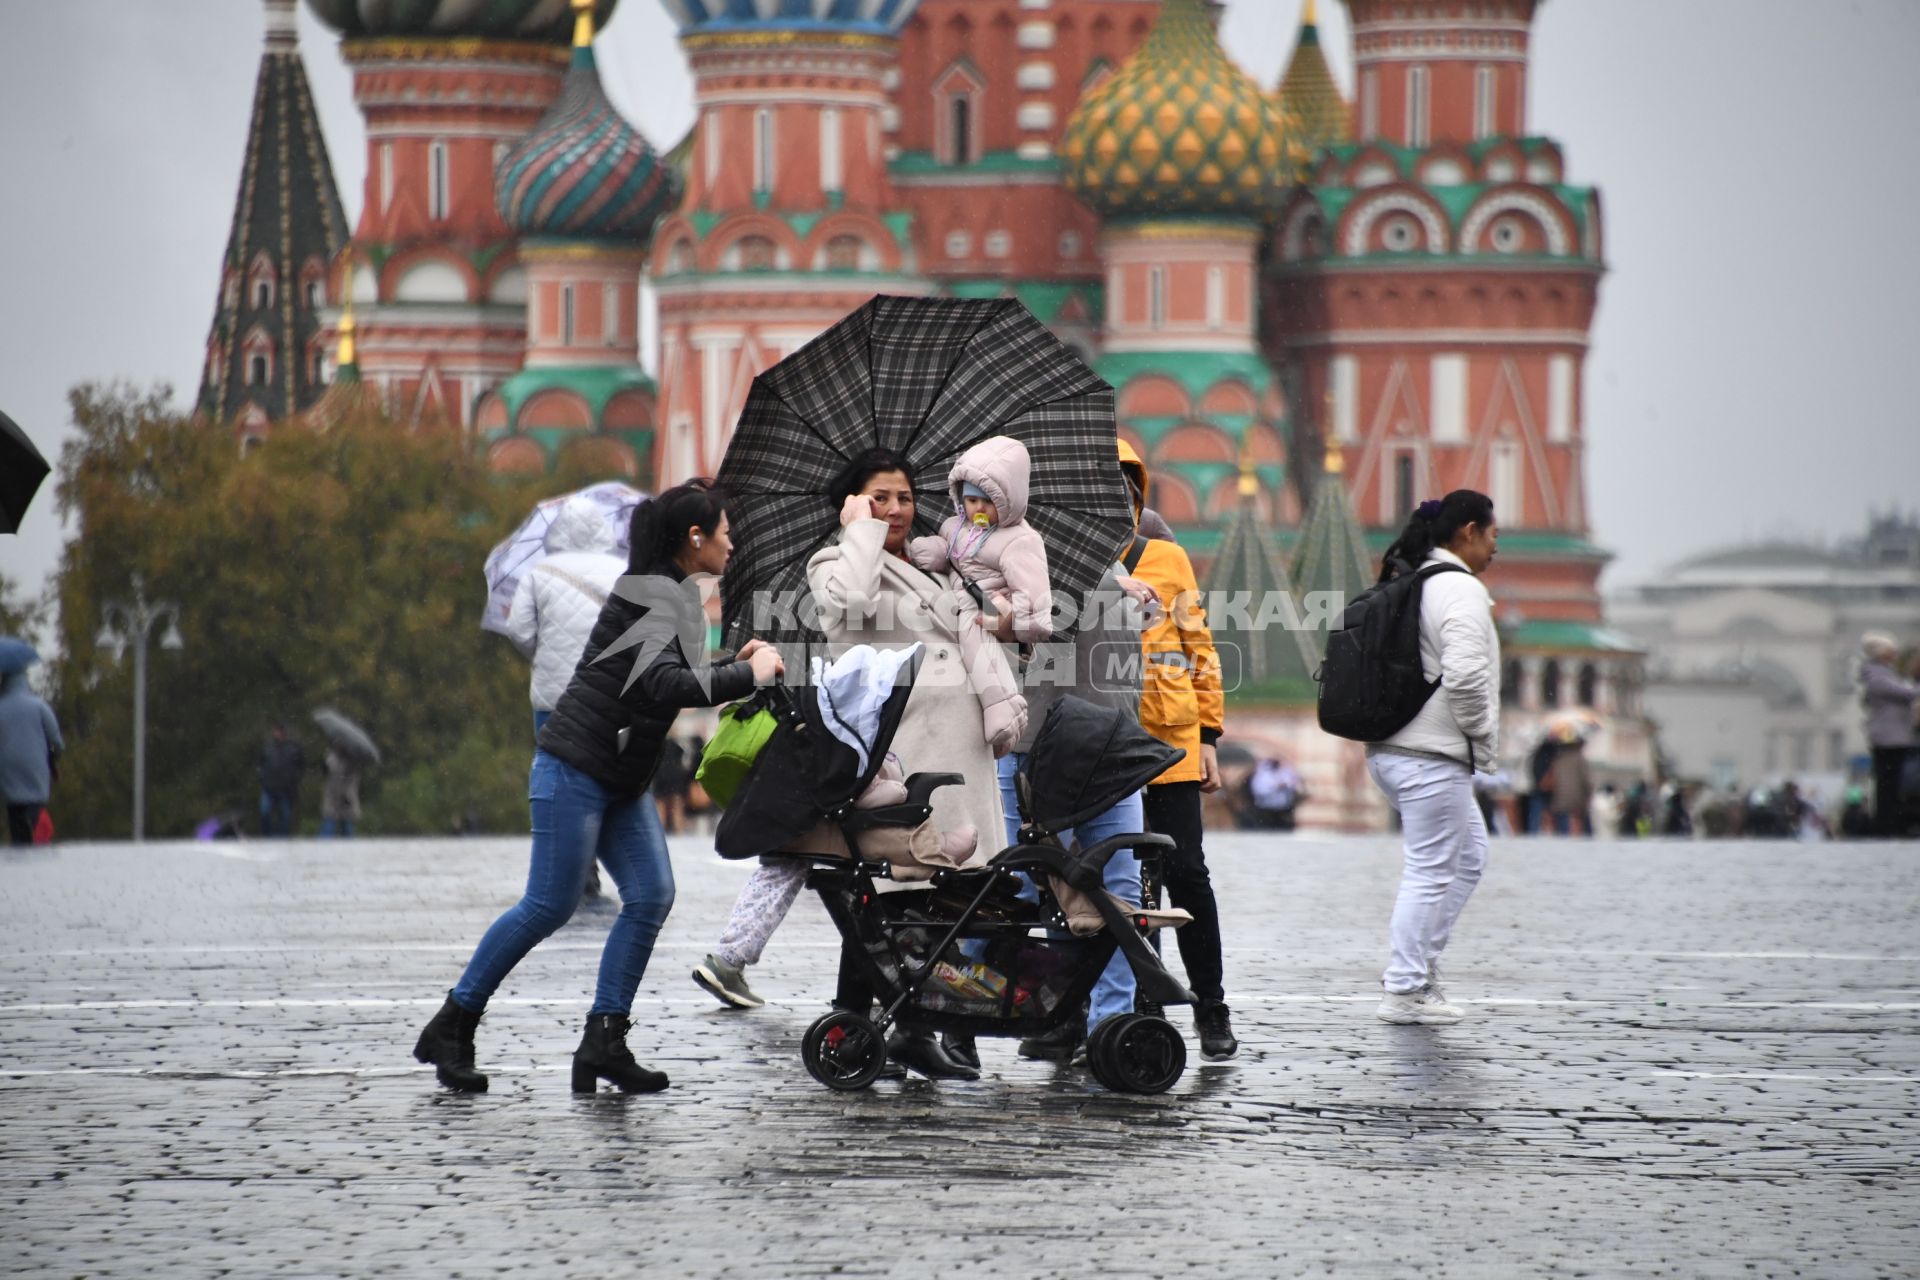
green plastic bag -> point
(744, 729)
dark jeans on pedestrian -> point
(21, 820)
(276, 813)
(575, 819)
(1889, 816)
(1173, 809)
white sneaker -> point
(1424, 1007)
(1433, 981)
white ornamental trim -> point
(1395, 202)
(1525, 202)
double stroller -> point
(1011, 948)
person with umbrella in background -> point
(30, 743)
(349, 752)
(282, 761)
(558, 598)
(643, 664)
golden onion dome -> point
(1180, 130)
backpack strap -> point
(1130, 559)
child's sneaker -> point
(727, 981)
(1423, 1007)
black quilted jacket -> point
(585, 727)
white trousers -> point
(1446, 850)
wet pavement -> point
(1688, 1061)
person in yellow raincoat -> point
(1181, 704)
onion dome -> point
(1180, 130)
(542, 20)
(1308, 93)
(583, 171)
(868, 17)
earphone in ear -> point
(696, 542)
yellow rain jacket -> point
(1180, 701)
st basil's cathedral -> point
(1315, 312)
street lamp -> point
(122, 624)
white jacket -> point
(1460, 649)
(559, 599)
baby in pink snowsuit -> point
(988, 541)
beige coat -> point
(866, 596)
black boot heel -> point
(603, 1055)
(447, 1043)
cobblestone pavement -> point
(1682, 1060)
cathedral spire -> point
(263, 360)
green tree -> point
(336, 566)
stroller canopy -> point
(1085, 760)
(831, 740)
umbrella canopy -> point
(16, 655)
(21, 471)
(526, 546)
(349, 738)
(1572, 726)
(926, 378)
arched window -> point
(313, 295)
(1417, 107)
(756, 253)
(843, 253)
(1587, 684)
(960, 129)
(262, 294)
(437, 180)
(257, 370)
(566, 314)
(763, 150)
(1550, 684)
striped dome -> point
(1180, 130)
(583, 171)
(546, 20)
(871, 17)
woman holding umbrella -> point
(960, 719)
(588, 787)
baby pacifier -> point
(980, 519)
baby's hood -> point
(999, 465)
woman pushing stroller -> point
(587, 788)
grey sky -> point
(1757, 159)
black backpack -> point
(1371, 683)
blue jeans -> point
(276, 813)
(1113, 993)
(330, 827)
(575, 819)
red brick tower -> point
(446, 89)
(1430, 295)
(788, 222)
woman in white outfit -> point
(1426, 769)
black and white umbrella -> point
(926, 378)
(21, 471)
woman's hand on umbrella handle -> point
(767, 664)
(858, 506)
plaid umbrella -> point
(926, 378)
(21, 471)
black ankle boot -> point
(920, 1051)
(603, 1055)
(962, 1049)
(447, 1043)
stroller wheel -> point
(1144, 1054)
(844, 1051)
(1100, 1054)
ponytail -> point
(659, 526)
(1434, 524)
